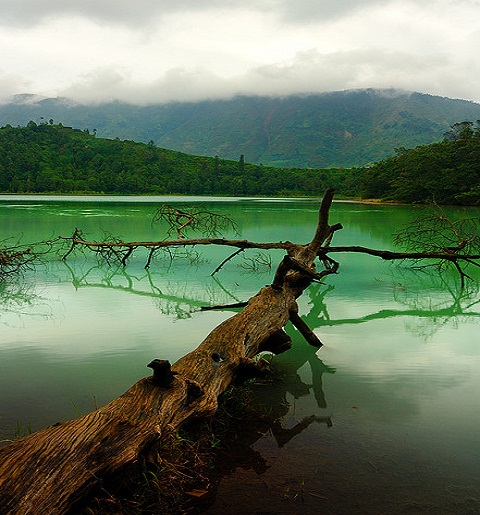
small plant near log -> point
(179, 474)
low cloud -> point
(306, 72)
(10, 84)
(177, 84)
(140, 12)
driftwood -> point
(55, 468)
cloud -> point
(124, 12)
(140, 12)
(306, 72)
(177, 84)
(157, 51)
(10, 84)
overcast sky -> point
(145, 51)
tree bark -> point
(55, 468)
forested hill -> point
(337, 129)
(40, 158)
(447, 172)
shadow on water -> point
(317, 458)
(347, 466)
(260, 412)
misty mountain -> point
(338, 129)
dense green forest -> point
(447, 172)
(47, 157)
(51, 158)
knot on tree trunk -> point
(306, 274)
(162, 373)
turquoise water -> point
(383, 419)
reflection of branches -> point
(259, 409)
(432, 307)
(18, 299)
(170, 297)
(173, 298)
(222, 287)
(260, 262)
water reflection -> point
(333, 420)
(171, 295)
(19, 300)
(430, 297)
(385, 422)
(431, 302)
(268, 406)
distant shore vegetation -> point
(52, 158)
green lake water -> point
(383, 419)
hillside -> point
(338, 129)
(41, 158)
(447, 172)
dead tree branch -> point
(194, 218)
(119, 251)
(16, 259)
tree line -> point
(447, 172)
(52, 158)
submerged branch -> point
(391, 255)
(226, 260)
(241, 244)
(119, 251)
(16, 259)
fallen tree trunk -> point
(53, 469)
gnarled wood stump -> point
(50, 471)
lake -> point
(383, 419)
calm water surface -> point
(383, 419)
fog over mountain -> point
(336, 129)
